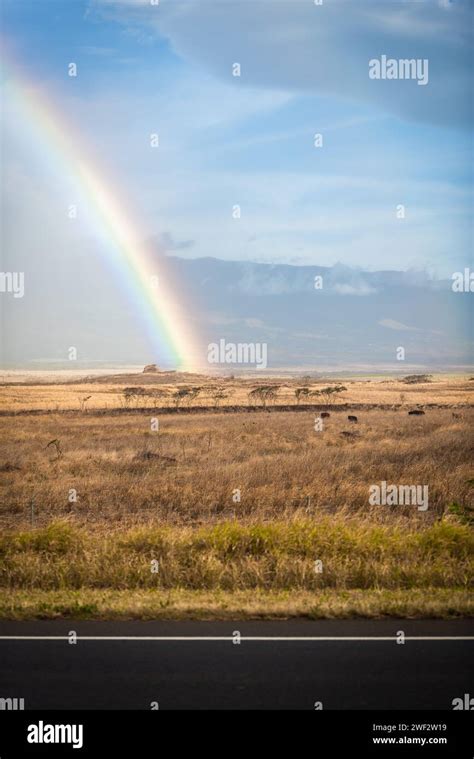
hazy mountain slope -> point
(355, 318)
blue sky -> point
(249, 140)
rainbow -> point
(142, 275)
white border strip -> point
(237, 638)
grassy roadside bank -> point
(333, 567)
(93, 604)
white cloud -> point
(393, 324)
(297, 46)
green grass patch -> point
(354, 554)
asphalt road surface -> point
(201, 673)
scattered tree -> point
(264, 393)
(301, 392)
(328, 392)
(186, 394)
(133, 394)
(156, 395)
(83, 401)
(218, 394)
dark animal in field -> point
(325, 414)
(347, 433)
(149, 455)
(457, 416)
(416, 412)
(10, 467)
(352, 418)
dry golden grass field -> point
(163, 390)
(219, 503)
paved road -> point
(271, 674)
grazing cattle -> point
(457, 416)
(352, 418)
(325, 414)
(416, 412)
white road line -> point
(242, 638)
